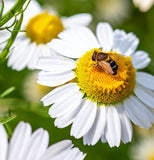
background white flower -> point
(32, 91)
(25, 145)
(28, 49)
(143, 150)
(113, 11)
(143, 5)
(92, 121)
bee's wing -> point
(106, 67)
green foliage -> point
(7, 92)
(141, 24)
(16, 10)
(2, 121)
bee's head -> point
(94, 56)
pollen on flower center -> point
(101, 87)
(43, 28)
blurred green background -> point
(126, 17)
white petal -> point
(66, 49)
(18, 51)
(34, 58)
(126, 126)
(3, 143)
(145, 79)
(60, 93)
(68, 118)
(95, 133)
(55, 64)
(56, 149)
(150, 113)
(8, 5)
(4, 36)
(74, 154)
(79, 155)
(41, 50)
(47, 51)
(64, 106)
(66, 155)
(24, 58)
(113, 130)
(52, 80)
(118, 34)
(145, 95)
(137, 112)
(84, 119)
(125, 44)
(38, 144)
(19, 141)
(105, 35)
(140, 59)
(62, 150)
(81, 37)
(33, 9)
(78, 19)
(103, 138)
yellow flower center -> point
(43, 27)
(152, 158)
(150, 155)
(101, 87)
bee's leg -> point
(114, 73)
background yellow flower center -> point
(43, 28)
(102, 87)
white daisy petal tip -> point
(24, 145)
(125, 44)
(145, 79)
(138, 113)
(140, 59)
(104, 33)
(98, 128)
(66, 48)
(83, 19)
(88, 113)
(54, 79)
(126, 126)
(113, 126)
(145, 95)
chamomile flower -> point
(41, 27)
(26, 145)
(99, 105)
(144, 149)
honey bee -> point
(105, 62)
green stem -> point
(15, 31)
(2, 8)
(8, 130)
(16, 8)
